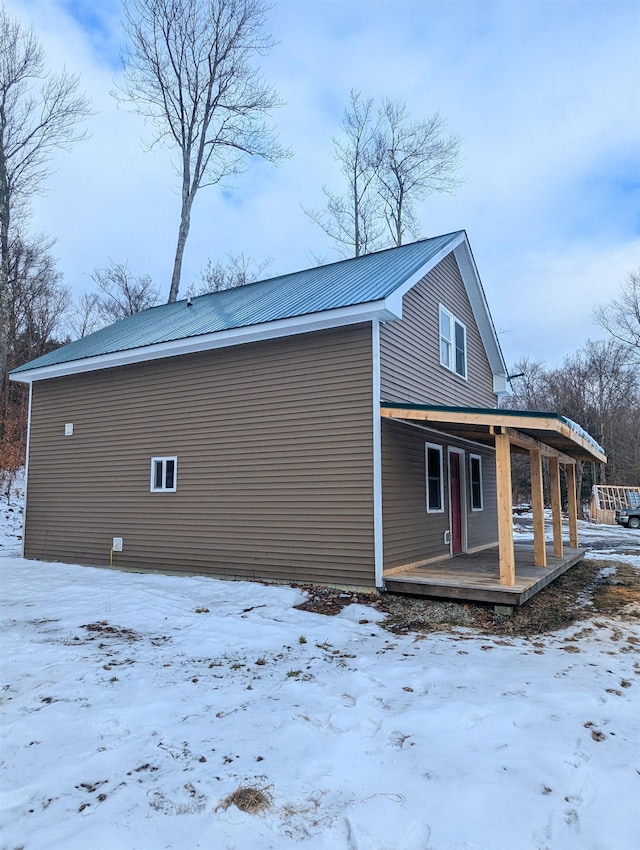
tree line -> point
(598, 387)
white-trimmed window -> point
(164, 474)
(434, 476)
(453, 343)
(475, 479)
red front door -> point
(455, 486)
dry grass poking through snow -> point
(605, 586)
(248, 799)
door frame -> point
(463, 499)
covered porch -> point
(476, 577)
(508, 573)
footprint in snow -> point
(397, 740)
(369, 727)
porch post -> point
(556, 506)
(537, 503)
(505, 509)
(570, 470)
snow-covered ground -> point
(133, 705)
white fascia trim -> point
(377, 457)
(220, 339)
(26, 472)
(394, 301)
(480, 307)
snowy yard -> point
(133, 706)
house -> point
(340, 425)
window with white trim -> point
(475, 478)
(434, 476)
(164, 474)
(453, 343)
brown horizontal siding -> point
(274, 448)
(410, 534)
(410, 347)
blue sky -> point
(545, 95)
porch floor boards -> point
(476, 577)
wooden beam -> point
(518, 420)
(524, 441)
(572, 505)
(537, 503)
(556, 505)
(505, 511)
(568, 432)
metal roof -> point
(346, 283)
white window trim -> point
(163, 460)
(452, 342)
(479, 459)
(431, 510)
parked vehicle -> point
(629, 517)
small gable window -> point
(164, 474)
(453, 343)
(433, 464)
(475, 476)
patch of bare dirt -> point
(331, 600)
(103, 629)
(584, 590)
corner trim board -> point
(377, 459)
(26, 472)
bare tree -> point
(353, 220)
(189, 70)
(417, 159)
(37, 306)
(599, 388)
(529, 385)
(39, 112)
(238, 271)
(621, 316)
(123, 293)
(84, 317)
(389, 163)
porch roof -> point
(553, 433)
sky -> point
(544, 95)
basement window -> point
(433, 464)
(475, 477)
(164, 474)
(453, 343)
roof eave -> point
(325, 320)
(577, 442)
(480, 306)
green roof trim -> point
(501, 411)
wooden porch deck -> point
(476, 577)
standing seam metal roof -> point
(346, 283)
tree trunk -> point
(183, 232)
(4, 281)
